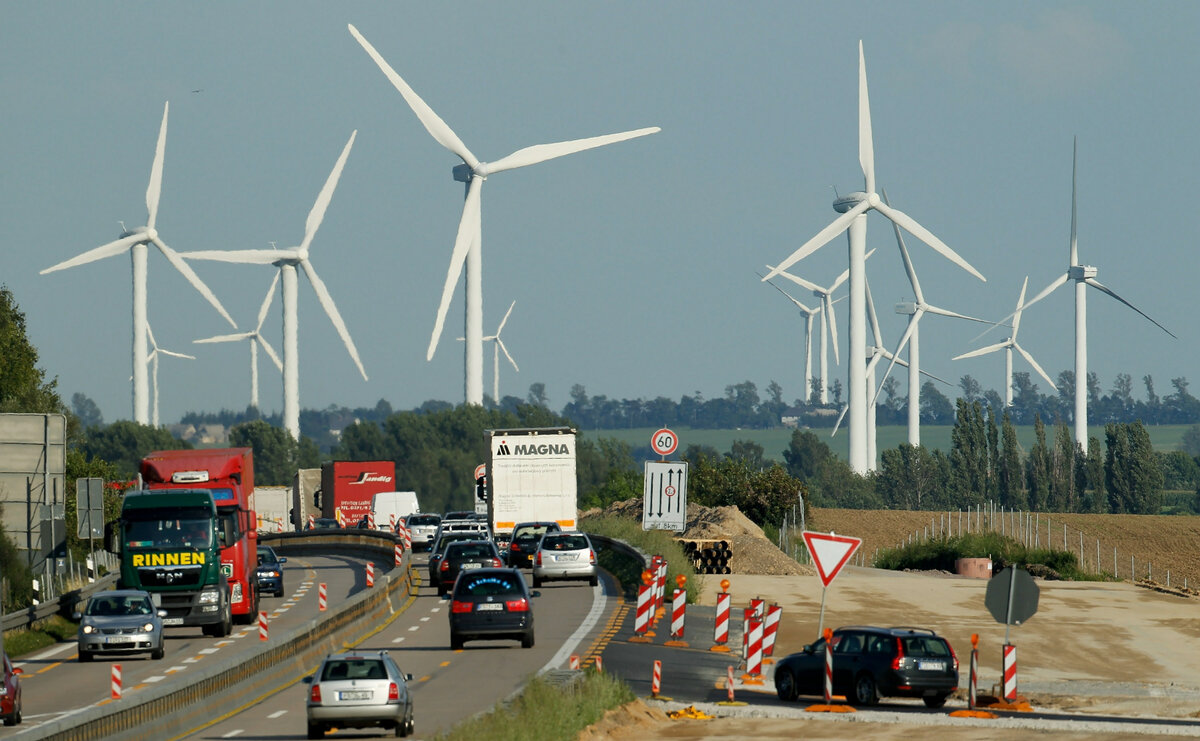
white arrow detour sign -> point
(830, 552)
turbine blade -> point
(317, 214)
(908, 266)
(154, 189)
(542, 152)
(468, 229)
(836, 425)
(800, 281)
(1036, 367)
(177, 354)
(908, 332)
(839, 225)
(791, 298)
(1045, 292)
(953, 314)
(1074, 163)
(1016, 322)
(983, 350)
(1101, 287)
(194, 279)
(505, 319)
(270, 351)
(242, 257)
(832, 328)
(873, 317)
(436, 127)
(266, 304)
(912, 227)
(500, 344)
(225, 338)
(866, 145)
(115, 247)
(332, 312)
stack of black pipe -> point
(709, 556)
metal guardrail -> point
(163, 712)
(606, 543)
(62, 605)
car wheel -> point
(279, 592)
(84, 657)
(864, 690)
(935, 701)
(594, 581)
(315, 731)
(456, 642)
(537, 583)
(527, 640)
(785, 685)
(158, 653)
(227, 624)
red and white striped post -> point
(116, 681)
(312, 522)
(729, 681)
(747, 616)
(1010, 673)
(678, 605)
(392, 521)
(321, 597)
(973, 686)
(641, 619)
(573, 662)
(770, 627)
(599, 664)
(262, 625)
(721, 625)
(754, 652)
(828, 666)
(662, 582)
(407, 537)
(370, 520)
(398, 551)
(370, 574)
(656, 679)
(757, 603)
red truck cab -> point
(229, 474)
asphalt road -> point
(55, 684)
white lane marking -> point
(190, 660)
(415, 627)
(174, 669)
(593, 617)
(398, 640)
(277, 714)
(152, 680)
(425, 619)
(231, 734)
(225, 643)
(49, 652)
(209, 650)
(436, 609)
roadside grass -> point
(941, 553)
(44, 633)
(651, 542)
(545, 711)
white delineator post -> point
(678, 605)
(370, 574)
(262, 626)
(828, 666)
(398, 552)
(322, 602)
(573, 662)
(116, 681)
(721, 625)
(1010, 672)
(770, 627)
(656, 679)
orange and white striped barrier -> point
(678, 606)
(656, 679)
(599, 664)
(641, 618)
(262, 625)
(973, 685)
(729, 681)
(757, 605)
(116, 681)
(370, 520)
(312, 522)
(754, 653)
(398, 551)
(321, 598)
(392, 522)
(828, 666)
(1010, 672)
(770, 627)
(370, 573)
(662, 585)
(721, 625)
(747, 616)
(573, 662)
(407, 537)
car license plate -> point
(489, 606)
(932, 666)
(355, 695)
(466, 566)
(567, 557)
(172, 621)
(118, 639)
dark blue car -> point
(270, 571)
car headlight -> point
(209, 597)
(148, 628)
(88, 629)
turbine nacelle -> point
(850, 200)
(906, 307)
(1081, 272)
(464, 172)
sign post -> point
(829, 553)
(1011, 598)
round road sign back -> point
(664, 442)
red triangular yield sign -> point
(830, 552)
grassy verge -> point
(652, 542)
(44, 633)
(941, 553)
(545, 712)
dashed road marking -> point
(152, 680)
(414, 628)
(231, 734)
(425, 619)
(277, 714)
(398, 640)
(209, 650)
(174, 669)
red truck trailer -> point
(347, 488)
(229, 474)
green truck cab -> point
(170, 545)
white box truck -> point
(272, 504)
(388, 507)
(531, 476)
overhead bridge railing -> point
(166, 712)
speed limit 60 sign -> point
(664, 442)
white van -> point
(389, 506)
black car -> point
(869, 663)
(270, 571)
(439, 549)
(465, 555)
(488, 604)
(525, 539)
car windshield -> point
(490, 585)
(115, 604)
(181, 532)
(469, 550)
(564, 543)
(446, 540)
(266, 555)
(423, 520)
(925, 646)
(336, 669)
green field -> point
(775, 441)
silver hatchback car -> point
(120, 621)
(359, 690)
(564, 556)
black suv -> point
(869, 663)
(525, 539)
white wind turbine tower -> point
(915, 309)
(497, 347)
(135, 241)
(1008, 346)
(152, 361)
(828, 322)
(287, 261)
(854, 207)
(1084, 276)
(255, 338)
(468, 242)
(809, 315)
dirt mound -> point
(632, 720)
(753, 552)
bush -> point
(941, 553)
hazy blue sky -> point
(633, 266)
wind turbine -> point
(497, 347)
(1008, 346)
(152, 361)
(135, 241)
(256, 339)
(468, 243)
(1083, 275)
(915, 309)
(809, 315)
(287, 261)
(854, 208)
